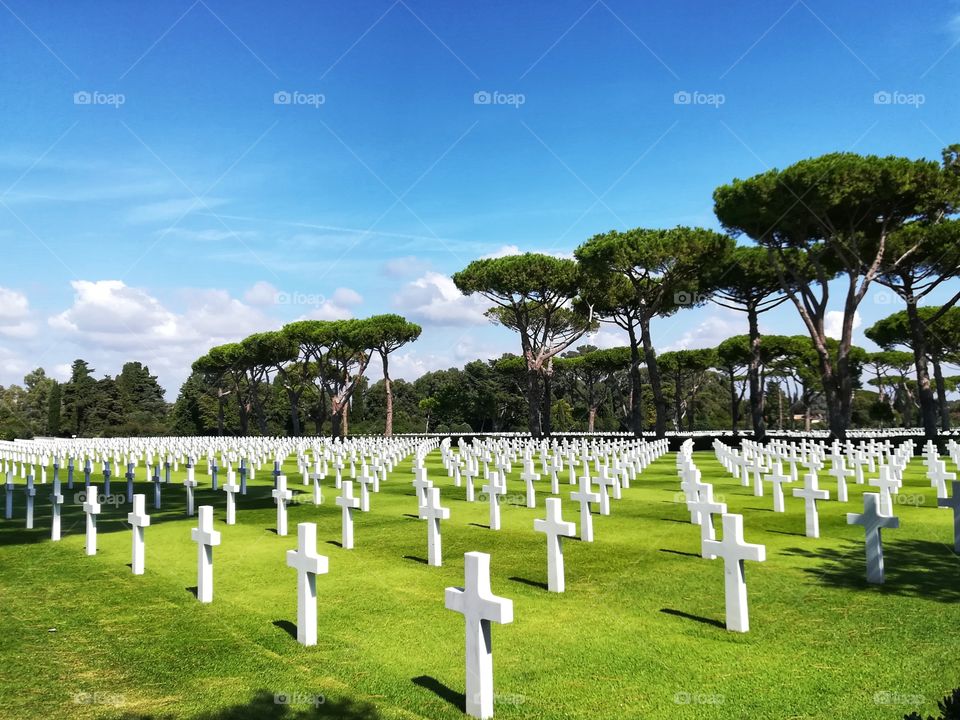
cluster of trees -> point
(820, 234)
(129, 404)
(840, 220)
(317, 364)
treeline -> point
(130, 404)
(841, 222)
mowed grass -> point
(638, 634)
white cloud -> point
(710, 332)
(404, 266)
(261, 293)
(15, 314)
(13, 305)
(434, 298)
(110, 323)
(339, 306)
(833, 323)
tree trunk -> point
(677, 408)
(220, 412)
(388, 387)
(918, 341)
(753, 374)
(546, 423)
(941, 395)
(533, 403)
(734, 403)
(656, 386)
(591, 417)
(636, 412)
(294, 398)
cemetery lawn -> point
(638, 634)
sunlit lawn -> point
(638, 634)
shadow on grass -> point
(420, 560)
(113, 516)
(679, 552)
(457, 699)
(913, 568)
(698, 618)
(531, 583)
(265, 705)
(288, 627)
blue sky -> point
(158, 196)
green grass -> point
(636, 631)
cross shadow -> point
(458, 700)
(273, 530)
(409, 515)
(420, 560)
(698, 618)
(679, 552)
(531, 583)
(759, 509)
(784, 532)
(266, 705)
(193, 590)
(674, 520)
(912, 568)
(335, 542)
(288, 627)
(485, 527)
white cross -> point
(705, 507)
(938, 476)
(92, 508)
(308, 565)
(433, 514)
(604, 480)
(348, 503)
(734, 551)
(281, 496)
(479, 607)
(420, 484)
(954, 503)
(873, 522)
(529, 477)
(585, 496)
(810, 493)
(365, 482)
(138, 520)
(886, 483)
(56, 500)
(556, 528)
(492, 489)
(839, 470)
(231, 488)
(206, 539)
(190, 483)
(777, 478)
